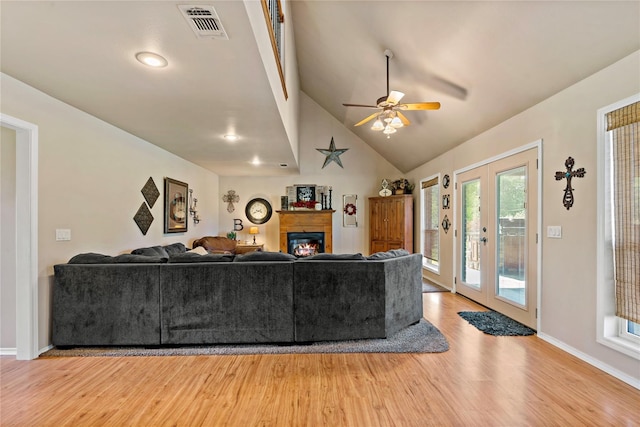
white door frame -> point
(537, 145)
(26, 236)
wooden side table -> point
(242, 248)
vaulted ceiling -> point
(484, 61)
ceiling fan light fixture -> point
(388, 130)
(396, 123)
(377, 125)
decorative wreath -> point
(350, 209)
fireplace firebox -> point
(305, 244)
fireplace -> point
(318, 224)
(305, 244)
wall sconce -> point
(193, 208)
(254, 231)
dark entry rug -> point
(494, 323)
(422, 337)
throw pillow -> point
(264, 256)
(91, 258)
(334, 257)
(151, 251)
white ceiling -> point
(507, 55)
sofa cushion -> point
(135, 258)
(195, 257)
(334, 257)
(264, 256)
(91, 258)
(175, 248)
(151, 251)
(393, 253)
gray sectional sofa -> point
(260, 297)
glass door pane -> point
(470, 229)
(511, 229)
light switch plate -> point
(554, 231)
(63, 234)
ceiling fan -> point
(391, 118)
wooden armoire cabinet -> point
(391, 223)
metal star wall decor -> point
(333, 154)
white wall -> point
(7, 239)
(363, 171)
(566, 123)
(90, 176)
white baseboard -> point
(8, 351)
(47, 348)
(435, 282)
(633, 382)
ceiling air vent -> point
(204, 21)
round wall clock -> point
(445, 181)
(258, 211)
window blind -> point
(623, 125)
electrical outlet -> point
(554, 232)
(63, 234)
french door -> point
(496, 241)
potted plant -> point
(402, 186)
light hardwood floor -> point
(481, 381)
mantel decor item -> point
(567, 199)
(332, 154)
(175, 206)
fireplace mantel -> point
(306, 221)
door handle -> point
(484, 240)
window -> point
(430, 224)
(619, 226)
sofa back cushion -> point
(91, 258)
(393, 253)
(334, 257)
(151, 251)
(264, 256)
(175, 248)
(194, 257)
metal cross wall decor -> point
(231, 197)
(567, 200)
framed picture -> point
(306, 193)
(175, 206)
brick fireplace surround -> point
(310, 221)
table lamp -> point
(254, 231)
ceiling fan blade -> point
(371, 117)
(403, 119)
(420, 106)
(360, 105)
(394, 97)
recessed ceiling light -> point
(255, 161)
(151, 59)
(230, 137)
